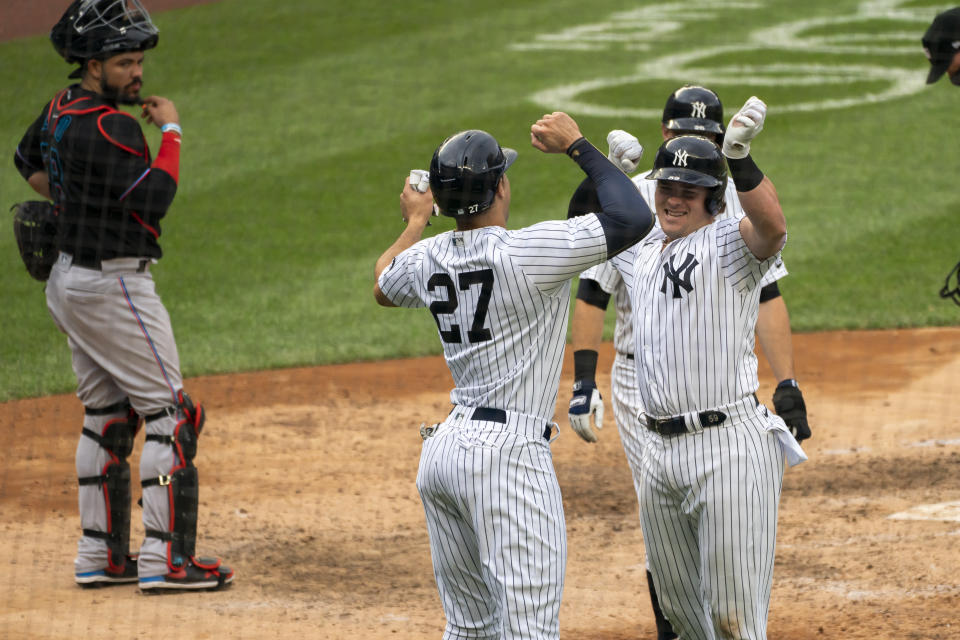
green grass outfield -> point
(301, 120)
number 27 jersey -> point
(500, 299)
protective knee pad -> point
(182, 482)
(116, 437)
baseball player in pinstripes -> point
(689, 110)
(713, 456)
(500, 299)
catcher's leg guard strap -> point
(182, 483)
(183, 491)
(116, 437)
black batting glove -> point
(789, 405)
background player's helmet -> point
(465, 171)
(693, 108)
(102, 28)
(693, 160)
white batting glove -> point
(586, 401)
(744, 126)
(420, 180)
(625, 150)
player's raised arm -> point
(625, 216)
(764, 230)
(416, 207)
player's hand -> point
(416, 206)
(625, 150)
(789, 405)
(586, 402)
(554, 133)
(159, 111)
(744, 127)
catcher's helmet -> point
(693, 108)
(102, 28)
(693, 160)
(465, 171)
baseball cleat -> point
(106, 577)
(198, 574)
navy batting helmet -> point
(465, 171)
(102, 28)
(693, 108)
(693, 160)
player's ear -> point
(503, 187)
(94, 68)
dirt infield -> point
(308, 491)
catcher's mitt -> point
(35, 226)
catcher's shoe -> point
(106, 577)
(197, 574)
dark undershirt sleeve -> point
(769, 292)
(28, 158)
(590, 292)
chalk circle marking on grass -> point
(790, 37)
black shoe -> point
(107, 577)
(198, 573)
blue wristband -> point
(171, 126)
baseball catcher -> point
(94, 247)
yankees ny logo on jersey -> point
(699, 110)
(680, 158)
(679, 276)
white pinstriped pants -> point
(709, 516)
(496, 525)
(626, 409)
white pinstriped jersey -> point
(695, 311)
(500, 302)
(608, 278)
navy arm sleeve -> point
(624, 214)
(584, 200)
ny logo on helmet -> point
(680, 158)
(699, 110)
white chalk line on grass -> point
(639, 28)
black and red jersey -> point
(108, 193)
